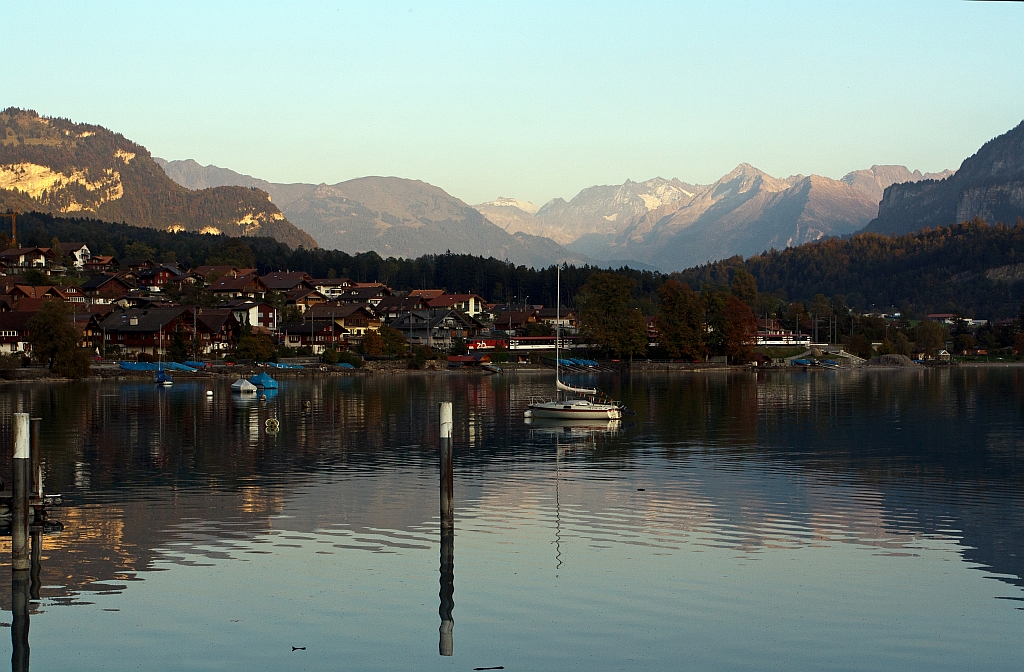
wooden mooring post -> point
(446, 645)
(20, 485)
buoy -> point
(528, 414)
(263, 397)
(209, 393)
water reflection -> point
(743, 466)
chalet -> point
(355, 319)
(470, 304)
(390, 307)
(371, 295)
(217, 329)
(563, 317)
(313, 334)
(136, 265)
(163, 276)
(436, 328)
(253, 313)
(244, 286)
(14, 332)
(76, 253)
(101, 264)
(303, 299)
(106, 288)
(72, 294)
(211, 273)
(282, 281)
(143, 331)
(427, 294)
(24, 258)
(771, 334)
(331, 287)
(21, 292)
(512, 321)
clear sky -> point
(532, 100)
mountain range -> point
(389, 215)
(670, 224)
(57, 166)
(658, 223)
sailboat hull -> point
(575, 410)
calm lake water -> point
(794, 521)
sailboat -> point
(572, 403)
(162, 378)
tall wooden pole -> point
(446, 645)
(19, 493)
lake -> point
(804, 520)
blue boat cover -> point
(154, 366)
(264, 380)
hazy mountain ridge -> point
(389, 215)
(989, 185)
(671, 224)
(60, 167)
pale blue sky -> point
(532, 100)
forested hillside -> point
(494, 279)
(972, 268)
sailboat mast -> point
(558, 324)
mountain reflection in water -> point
(746, 468)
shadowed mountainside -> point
(60, 167)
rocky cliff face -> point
(989, 185)
(60, 167)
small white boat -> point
(244, 386)
(572, 403)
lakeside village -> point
(144, 311)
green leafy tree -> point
(394, 341)
(931, 337)
(606, 318)
(373, 344)
(458, 347)
(744, 287)
(55, 340)
(35, 277)
(901, 344)
(539, 329)
(257, 347)
(860, 346)
(139, 250)
(963, 343)
(178, 352)
(680, 320)
(233, 252)
(740, 330)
